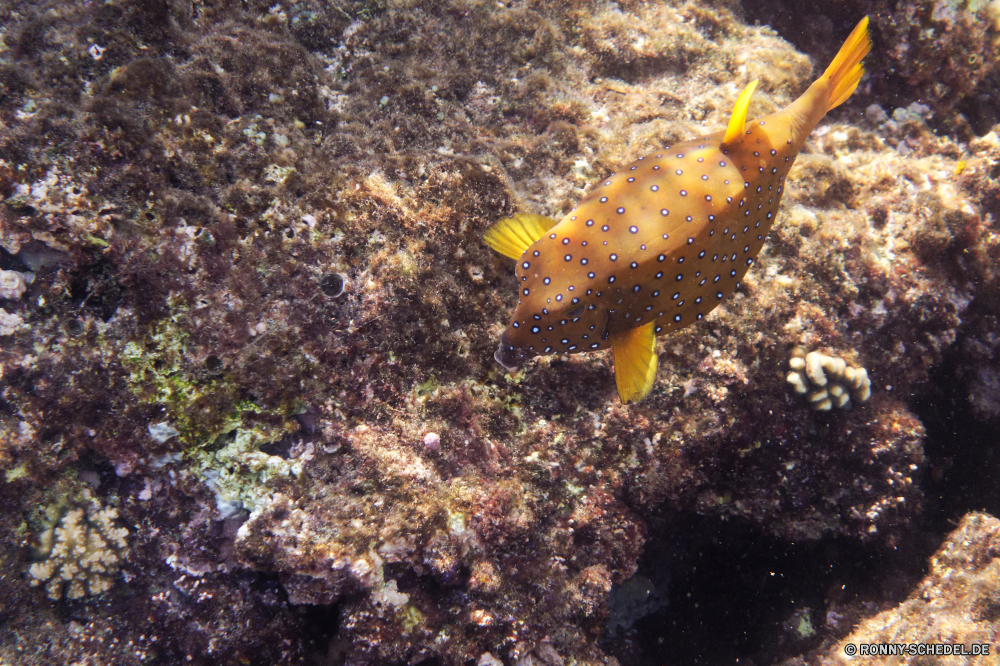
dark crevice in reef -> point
(963, 461)
(319, 625)
(814, 27)
(11, 262)
(96, 288)
(817, 29)
(728, 593)
(982, 109)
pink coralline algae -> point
(432, 441)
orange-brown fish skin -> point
(669, 237)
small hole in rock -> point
(333, 284)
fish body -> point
(659, 244)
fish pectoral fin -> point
(511, 236)
(734, 132)
(635, 362)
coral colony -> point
(827, 381)
(81, 552)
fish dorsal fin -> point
(734, 133)
(635, 362)
(511, 236)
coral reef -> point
(832, 380)
(262, 320)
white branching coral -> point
(827, 381)
(81, 550)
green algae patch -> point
(804, 626)
(220, 436)
(428, 386)
(238, 472)
(157, 373)
(412, 618)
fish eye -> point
(575, 312)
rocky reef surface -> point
(247, 329)
(956, 604)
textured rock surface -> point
(956, 603)
(184, 181)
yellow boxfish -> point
(658, 245)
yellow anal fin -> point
(734, 133)
(846, 69)
(511, 236)
(635, 362)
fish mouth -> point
(509, 357)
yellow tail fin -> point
(635, 362)
(846, 69)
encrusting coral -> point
(81, 551)
(827, 381)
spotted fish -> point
(658, 245)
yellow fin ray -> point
(734, 132)
(846, 69)
(511, 236)
(635, 362)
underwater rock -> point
(162, 432)
(9, 322)
(432, 441)
(955, 603)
